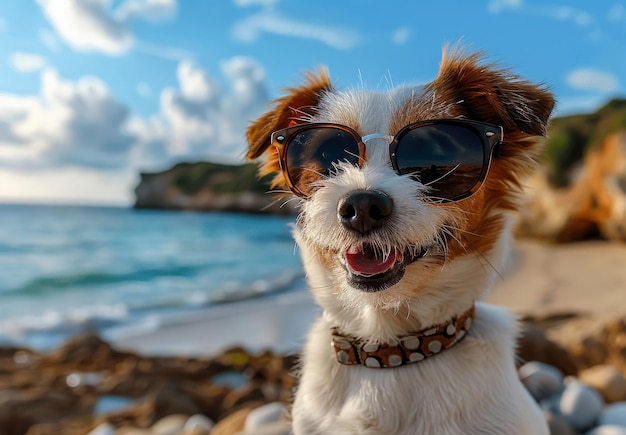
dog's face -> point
(376, 233)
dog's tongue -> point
(362, 261)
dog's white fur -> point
(471, 388)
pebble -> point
(264, 415)
(614, 414)
(103, 429)
(607, 429)
(541, 380)
(558, 425)
(580, 405)
(608, 380)
(198, 423)
(170, 425)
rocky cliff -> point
(208, 186)
(580, 191)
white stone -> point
(416, 356)
(541, 380)
(370, 347)
(580, 405)
(411, 343)
(434, 346)
(372, 362)
(451, 329)
(343, 356)
(608, 429)
(198, 422)
(170, 425)
(264, 415)
(614, 414)
(395, 360)
(103, 429)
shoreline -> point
(584, 279)
(278, 322)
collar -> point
(411, 348)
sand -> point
(586, 278)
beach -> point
(586, 279)
(212, 366)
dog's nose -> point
(364, 210)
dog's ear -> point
(484, 92)
(298, 104)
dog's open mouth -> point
(371, 271)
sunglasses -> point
(450, 157)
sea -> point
(67, 270)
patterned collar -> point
(411, 348)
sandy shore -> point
(585, 278)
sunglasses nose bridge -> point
(386, 137)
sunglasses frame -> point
(491, 136)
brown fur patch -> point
(298, 104)
(474, 90)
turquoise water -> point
(72, 269)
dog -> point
(405, 200)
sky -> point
(93, 92)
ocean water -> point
(67, 270)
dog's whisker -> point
(443, 176)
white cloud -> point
(74, 139)
(92, 26)
(265, 3)
(150, 10)
(578, 16)
(67, 186)
(401, 35)
(27, 62)
(588, 79)
(568, 13)
(144, 90)
(49, 40)
(617, 12)
(201, 120)
(164, 52)
(251, 28)
(68, 124)
(497, 6)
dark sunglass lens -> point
(448, 158)
(313, 153)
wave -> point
(51, 328)
(44, 284)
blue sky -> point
(94, 91)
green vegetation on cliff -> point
(221, 179)
(570, 137)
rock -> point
(580, 405)
(607, 380)
(541, 380)
(198, 424)
(558, 425)
(277, 428)
(209, 186)
(170, 425)
(125, 430)
(614, 414)
(264, 415)
(247, 393)
(21, 409)
(533, 345)
(234, 422)
(103, 429)
(607, 430)
(594, 203)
